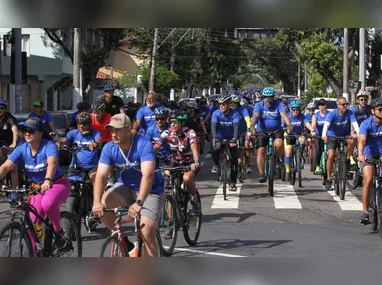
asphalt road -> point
(296, 222)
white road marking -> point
(285, 197)
(351, 203)
(207, 156)
(232, 201)
(207, 252)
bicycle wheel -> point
(192, 221)
(335, 178)
(373, 209)
(168, 225)
(355, 177)
(73, 206)
(298, 166)
(271, 170)
(112, 247)
(224, 179)
(12, 235)
(342, 177)
(68, 224)
(292, 176)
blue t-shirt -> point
(86, 158)
(203, 112)
(320, 121)
(270, 118)
(242, 113)
(361, 115)
(308, 117)
(373, 132)
(141, 150)
(250, 111)
(153, 135)
(35, 167)
(45, 119)
(147, 117)
(224, 127)
(340, 126)
(298, 123)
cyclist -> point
(44, 116)
(369, 146)
(214, 105)
(38, 157)
(183, 143)
(318, 121)
(145, 115)
(244, 125)
(83, 136)
(113, 104)
(99, 120)
(8, 135)
(81, 107)
(298, 121)
(338, 124)
(140, 184)
(267, 115)
(248, 139)
(193, 122)
(225, 125)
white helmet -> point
(108, 87)
(362, 93)
(311, 106)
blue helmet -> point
(295, 104)
(3, 102)
(268, 92)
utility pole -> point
(172, 92)
(1, 70)
(18, 70)
(299, 81)
(153, 61)
(305, 79)
(362, 58)
(76, 95)
(345, 82)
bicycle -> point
(225, 166)
(118, 240)
(21, 223)
(323, 159)
(309, 147)
(176, 210)
(339, 175)
(375, 206)
(297, 160)
(355, 172)
(4, 152)
(80, 201)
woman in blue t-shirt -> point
(38, 157)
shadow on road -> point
(241, 217)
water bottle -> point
(40, 232)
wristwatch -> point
(139, 203)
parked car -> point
(331, 103)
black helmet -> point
(225, 100)
(161, 112)
(178, 114)
(376, 102)
(98, 105)
(84, 118)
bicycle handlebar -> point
(177, 168)
(75, 148)
(340, 138)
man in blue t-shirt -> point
(87, 139)
(44, 116)
(140, 185)
(338, 124)
(145, 117)
(225, 126)
(267, 117)
(369, 146)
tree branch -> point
(57, 39)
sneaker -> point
(168, 233)
(287, 176)
(249, 169)
(263, 178)
(365, 219)
(232, 187)
(195, 202)
(318, 170)
(109, 183)
(328, 184)
(62, 243)
(93, 222)
(215, 169)
(130, 247)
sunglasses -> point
(160, 119)
(295, 110)
(2, 108)
(344, 104)
(310, 109)
(28, 130)
(175, 122)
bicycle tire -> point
(353, 183)
(292, 176)
(342, 177)
(224, 180)
(169, 248)
(72, 231)
(113, 240)
(17, 226)
(187, 216)
(271, 170)
(373, 210)
(73, 206)
(379, 207)
(298, 166)
(335, 179)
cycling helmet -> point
(172, 105)
(225, 100)
(161, 112)
(191, 104)
(295, 104)
(243, 102)
(235, 99)
(311, 106)
(376, 102)
(84, 118)
(98, 105)
(268, 92)
(178, 114)
(38, 103)
(108, 87)
(3, 102)
(362, 93)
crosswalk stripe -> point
(232, 201)
(284, 197)
(351, 203)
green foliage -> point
(165, 79)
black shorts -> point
(263, 140)
(333, 144)
(370, 163)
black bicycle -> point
(225, 163)
(21, 232)
(297, 162)
(177, 212)
(80, 201)
(375, 206)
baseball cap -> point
(33, 123)
(119, 121)
(321, 102)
